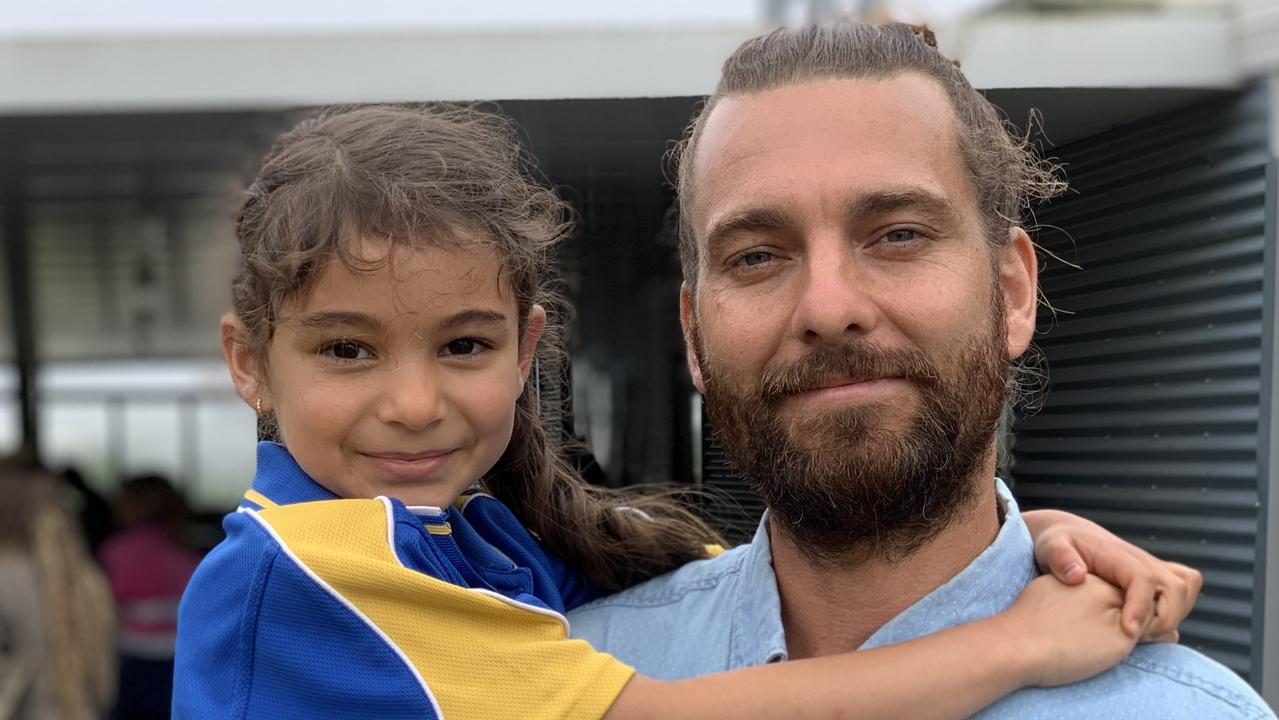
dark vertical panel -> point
(1265, 636)
(731, 505)
(1155, 354)
(108, 311)
(14, 229)
(605, 157)
(178, 267)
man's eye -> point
(901, 235)
(754, 258)
(346, 350)
(464, 346)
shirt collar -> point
(282, 480)
(757, 636)
(987, 586)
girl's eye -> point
(346, 350)
(464, 346)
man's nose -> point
(411, 395)
(836, 300)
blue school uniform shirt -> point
(725, 613)
(316, 606)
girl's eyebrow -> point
(338, 318)
(475, 316)
(325, 320)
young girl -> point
(391, 304)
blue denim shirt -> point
(725, 613)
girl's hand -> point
(1157, 595)
(1069, 632)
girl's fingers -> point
(1064, 560)
(1139, 606)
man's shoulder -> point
(1157, 680)
(1195, 675)
(692, 581)
(675, 625)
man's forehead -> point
(897, 131)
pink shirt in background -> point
(148, 570)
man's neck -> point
(828, 610)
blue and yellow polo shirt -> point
(320, 607)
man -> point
(856, 289)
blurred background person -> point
(56, 617)
(148, 567)
(88, 505)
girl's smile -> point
(410, 467)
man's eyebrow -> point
(762, 218)
(883, 202)
(338, 318)
(474, 316)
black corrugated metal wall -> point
(1155, 354)
(730, 504)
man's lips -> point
(850, 390)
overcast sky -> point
(219, 17)
(58, 17)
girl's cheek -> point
(500, 403)
(496, 404)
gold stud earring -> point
(258, 405)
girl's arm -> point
(1054, 634)
(1157, 594)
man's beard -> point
(845, 488)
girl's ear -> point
(242, 362)
(533, 328)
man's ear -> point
(533, 328)
(243, 363)
(1019, 283)
(687, 322)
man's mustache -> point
(829, 364)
